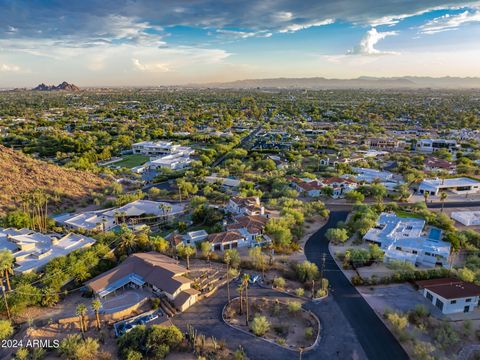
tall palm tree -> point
(245, 279)
(426, 194)
(96, 305)
(81, 312)
(227, 258)
(127, 242)
(443, 197)
(6, 265)
(240, 291)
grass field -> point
(407, 214)
(130, 161)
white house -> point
(227, 240)
(250, 227)
(451, 295)
(172, 162)
(227, 183)
(467, 218)
(339, 185)
(406, 239)
(160, 148)
(245, 206)
(308, 187)
(134, 213)
(432, 145)
(194, 237)
(32, 250)
(460, 185)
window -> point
(414, 252)
(468, 300)
(398, 248)
(439, 304)
(429, 296)
(453, 302)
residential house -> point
(383, 143)
(33, 250)
(227, 240)
(172, 162)
(245, 206)
(251, 227)
(307, 187)
(386, 178)
(432, 145)
(435, 164)
(406, 240)
(339, 185)
(462, 185)
(194, 237)
(451, 295)
(160, 148)
(154, 271)
(467, 218)
(226, 183)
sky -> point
(178, 42)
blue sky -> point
(127, 42)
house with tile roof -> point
(154, 271)
(245, 206)
(230, 239)
(251, 227)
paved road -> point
(377, 341)
(240, 144)
(454, 204)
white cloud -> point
(244, 34)
(449, 22)
(368, 42)
(9, 68)
(151, 67)
(296, 27)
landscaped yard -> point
(284, 322)
(130, 161)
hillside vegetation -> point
(20, 174)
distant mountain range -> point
(364, 82)
(63, 86)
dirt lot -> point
(286, 328)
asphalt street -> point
(376, 340)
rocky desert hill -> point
(63, 86)
(20, 173)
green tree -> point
(337, 235)
(245, 282)
(206, 249)
(6, 265)
(354, 196)
(259, 260)
(81, 312)
(186, 251)
(233, 256)
(307, 271)
(6, 329)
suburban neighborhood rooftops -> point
(448, 183)
(450, 288)
(254, 224)
(143, 207)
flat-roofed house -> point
(461, 185)
(406, 240)
(161, 274)
(32, 250)
(451, 295)
(432, 145)
(467, 218)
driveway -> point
(338, 341)
(376, 340)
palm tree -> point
(96, 305)
(443, 197)
(127, 242)
(227, 258)
(6, 264)
(81, 312)
(426, 194)
(240, 291)
(245, 279)
(188, 251)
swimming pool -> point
(435, 234)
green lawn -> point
(407, 214)
(130, 161)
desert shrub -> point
(422, 350)
(279, 282)
(281, 341)
(445, 335)
(299, 292)
(357, 280)
(6, 329)
(294, 306)
(308, 333)
(418, 315)
(259, 325)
